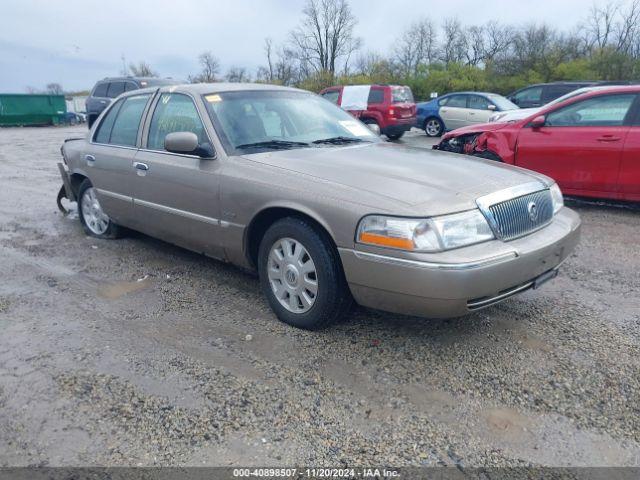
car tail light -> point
(392, 112)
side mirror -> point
(491, 107)
(538, 122)
(186, 143)
(374, 127)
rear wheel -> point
(395, 136)
(433, 127)
(301, 275)
(94, 221)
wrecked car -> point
(589, 144)
(283, 182)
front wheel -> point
(301, 275)
(433, 127)
(94, 220)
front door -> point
(580, 145)
(177, 196)
(478, 111)
(453, 111)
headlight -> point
(556, 198)
(424, 235)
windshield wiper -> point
(275, 144)
(339, 140)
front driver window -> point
(476, 102)
(606, 110)
(175, 112)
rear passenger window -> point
(104, 129)
(115, 89)
(175, 112)
(125, 128)
(100, 90)
(376, 96)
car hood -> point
(425, 182)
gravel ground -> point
(136, 352)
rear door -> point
(478, 111)
(629, 179)
(580, 146)
(453, 111)
(176, 195)
(109, 157)
(404, 108)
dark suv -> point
(542, 93)
(109, 88)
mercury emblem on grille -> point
(532, 208)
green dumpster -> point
(18, 109)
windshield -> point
(503, 103)
(252, 121)
(401, 95)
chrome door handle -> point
(141, 168)
(90, 160)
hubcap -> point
(96, 220)
(292, 275)
(433, 127)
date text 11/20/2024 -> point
(316, 472)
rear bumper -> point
(400, 126)
(449, 289)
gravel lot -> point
(136, 352)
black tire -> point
(395, 136)
(434, 122)
(113, 230)
(489, 155)
(333, 299)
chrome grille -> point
(522, 215)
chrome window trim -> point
(485, 202)
(403, 262)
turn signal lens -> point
(424, 235)
(556, 197)
(400, 233)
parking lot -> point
(136, 352)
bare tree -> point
(238, 74)
(454, 41)
(210, 69)
(282, 66)
(325, 36)
(416, 47)
(142, 69)
(54, 89)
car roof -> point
(210, 88)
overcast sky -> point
(75, 42)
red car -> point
(590, 144)
(391, 107)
